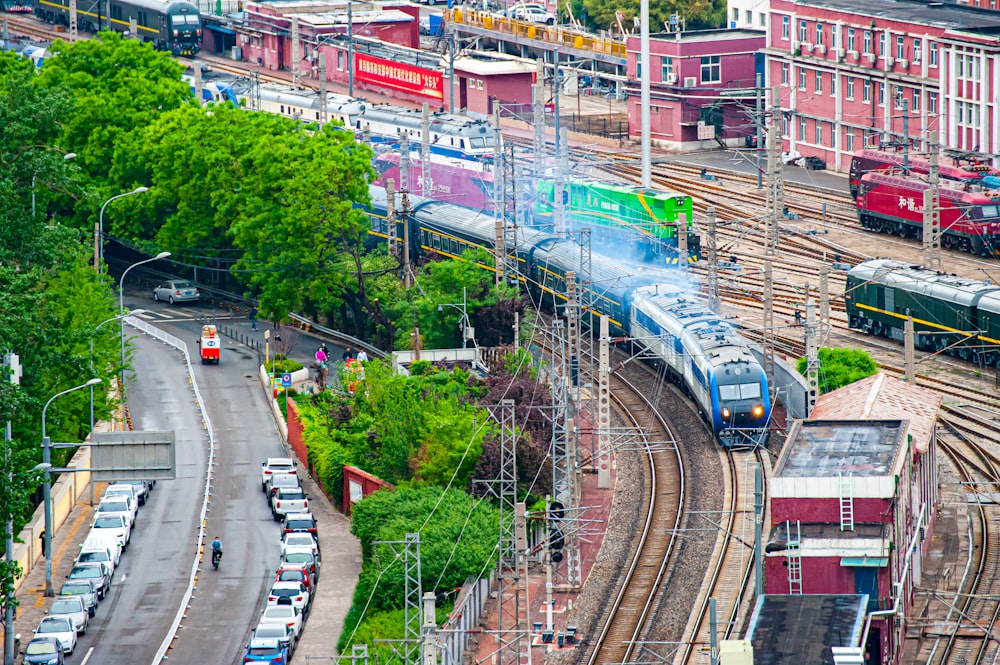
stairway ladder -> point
(794, 554)
(846, 502)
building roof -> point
(943, 15)
(803, 628)
(829, 448)
(882, 397)
(488, 63)
(695, 36)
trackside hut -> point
(853, 502)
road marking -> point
(87, 657)
(122, 579)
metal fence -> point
(610, 125)
(464, 619)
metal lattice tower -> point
(932, 213)
(812, 356)
(775, 183)
(323, 96)
(426, 183)
(538, 109)
(585, 343)
(73, 30)
(499, 239)
(604, 407)
(768, 327)
(572, 315)
(390, 217)
(414, 597)
(824, 303)
(296, 53)
(404, 163)
(564, 452)
(507, 489)
(509, 212)
(713, 263)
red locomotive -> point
(960, 168)
(893, 203)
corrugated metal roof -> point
(881, 397)
(803, 628)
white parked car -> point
(115, 524)
(60, 628)
(285, 615)
(275, 465)
(290, 593)
(126, 493)
(288, 500)
(74, 608)
(117, 506)
(297, 540)
(533, 13)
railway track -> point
(731, 570)
(663, 503)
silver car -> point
(73, 608)
(176, 290)
(85, 589)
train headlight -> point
(758, 411)
(725, 413)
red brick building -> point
(698, 77)
(845, 67)
(852, 503)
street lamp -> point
(47, 487)
(464, 321)
(92, 370)
(68, 156)
(121, 314)
(8, 628)
(99, 228)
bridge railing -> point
(547, 33)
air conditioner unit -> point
(671, 79)
(870, 57)
(820, 49)
(853, 54)
(690, 81)
(807, 46)
(904, 63)
(889, 62)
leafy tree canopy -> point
(698, 14)
(839, 367)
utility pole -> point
(932, 213)
(775, 184)
(451, 70)
(406, 240)
(296, 54)
(538, 108)
(197, 83)
(12, 369)
(812, 357)
(824, 303)
(428, 631)
(768, 327)
(555, 94)
(499, 209)
(909, 361)
(713, 263)
(73, 30)
(559, 207)
(906, 134)
(758, 530)
(350, 48)
(426, 184)
(644, 99)
(759, 129)
(323, 96)
(681, 228)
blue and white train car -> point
(706, 354)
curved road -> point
(149, 585)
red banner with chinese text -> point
(398, 76)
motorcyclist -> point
(216, 550)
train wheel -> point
(948, 241)
(877, 328)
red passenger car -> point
(894, 203)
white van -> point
(98, 552)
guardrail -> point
(548, 33)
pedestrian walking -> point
(362, 356)
(253, 318)
(347, 354)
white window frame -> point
(850, 88)
(786, 27)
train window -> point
(749, 390)
(282, 106)
(727, 393)
(991, 211)
(478, 143)
(890, 300)
(116, 12)
(461, 143)
(436, 242)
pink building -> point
(701, 84)
(481, 78)
(852, 503)
(846, 67)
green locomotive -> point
(651, 214)
(951, 314)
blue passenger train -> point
(651, 306)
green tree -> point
(839, 367)
(697, 14)
(297, 227)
